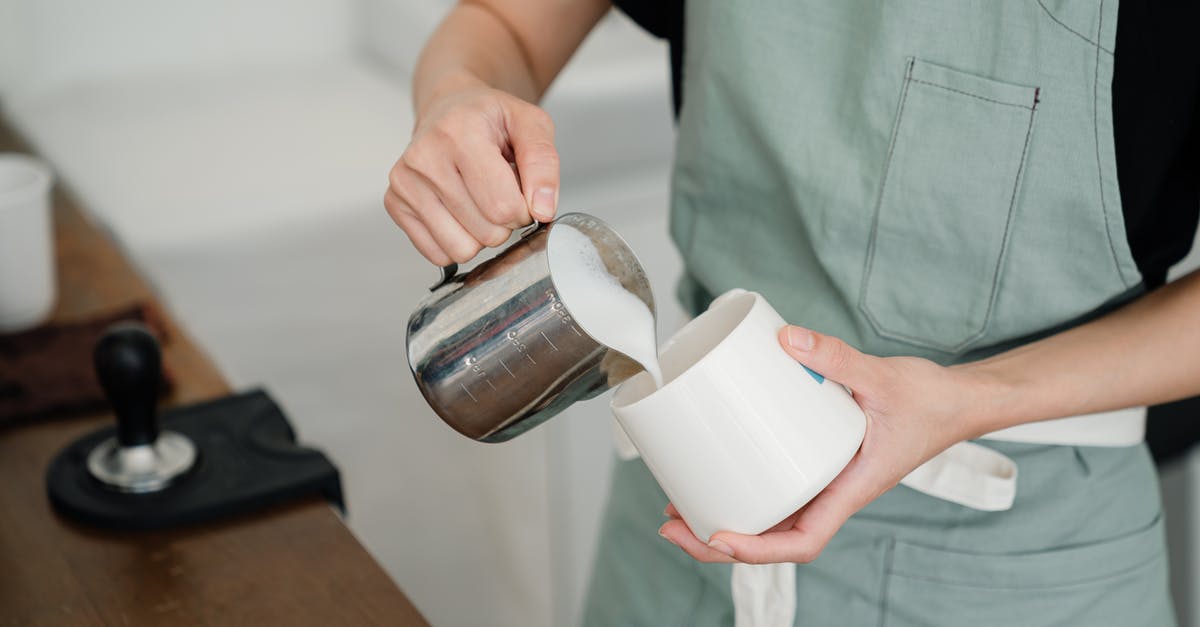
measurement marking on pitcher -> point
(468, 392)
(489, 382)
(507, 370)
(576, 331)
(548, 340)
(530, 359)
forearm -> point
(1145, 353)
(471, 47)
(517, 47)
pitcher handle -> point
(449, 271)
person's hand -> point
(915, 409)
(454, 190)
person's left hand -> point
(915, 409)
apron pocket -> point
(945, 204)
(1114, 582)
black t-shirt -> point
(1156, 108)
(1156, 129)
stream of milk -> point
(607, 311)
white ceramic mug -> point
(741, 435)
(27, 288)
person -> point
(969, 221)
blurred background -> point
(239, 150)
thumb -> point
(827, 355)
(531, 133)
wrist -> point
(991, 398)
(443, 88)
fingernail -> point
(543, 203)
(717, 545)
(664, 536)
(800, 338)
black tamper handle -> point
(129, 366)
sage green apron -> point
(930, 178)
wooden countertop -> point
(291, 565)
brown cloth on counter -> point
(49, 369)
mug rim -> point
(40, 182)
(723, 302)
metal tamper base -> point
(145, 467)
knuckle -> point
(448, 134)
(491, 212)
(542, 155)
(494, 238)
(414, 158)
(517, 213)
(421, 211)
(396, 208)
(507, 212)
(396, 182)
(840, 355)
(424, 158)
(463, 251)
(542, 118)
(446, 128)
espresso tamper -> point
(139, 458)
(211, 459)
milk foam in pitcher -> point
(607, 311)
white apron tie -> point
(968, 474)
(764, 595)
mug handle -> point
(451, 270)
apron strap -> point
(764, 595)
(1120, 427)
(980, 478)
(968, 474)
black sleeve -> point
(663, 20)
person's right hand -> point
(454, 190)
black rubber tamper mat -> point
(247, 458)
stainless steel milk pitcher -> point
(496, 352)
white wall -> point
(394, 31)
(11, 42)
(65, 41)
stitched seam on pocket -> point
(1012, 205)
(889, 555)
(1078, 34)
(887, 167)
(1124, 572)
(967, 93)
(868, 268)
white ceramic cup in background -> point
(741, 435)
(27, 288)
